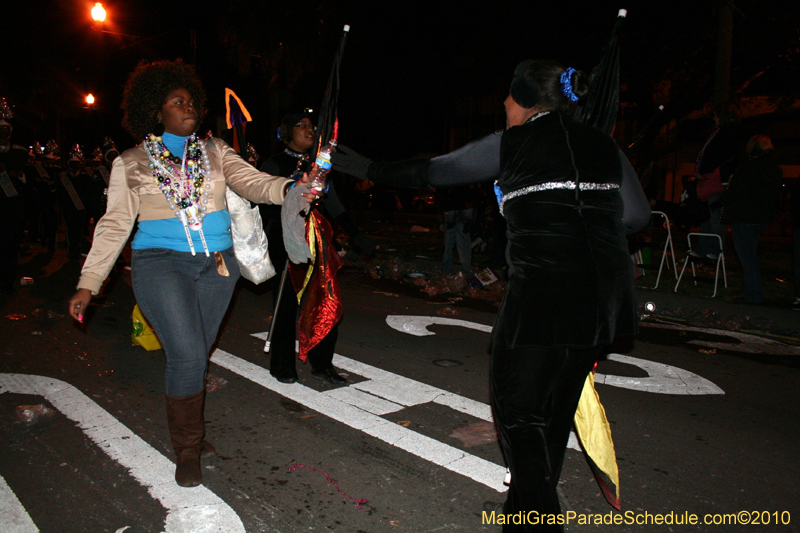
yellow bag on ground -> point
(143, 334)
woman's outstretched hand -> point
(78, 304)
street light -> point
(98, 13)
(90, 99)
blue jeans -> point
(710, 245)
(454, 236)
(745, 240)
(184, 298)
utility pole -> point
(722, 74)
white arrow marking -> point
(195, 510)
(417, 325)
(662, 379)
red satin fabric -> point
(320, 305)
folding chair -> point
(691, 259)
(667, 244)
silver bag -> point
(249, 239)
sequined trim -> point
(553, 185)
(296, 155)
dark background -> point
(417, 78)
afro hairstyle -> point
(147, 89)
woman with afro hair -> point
(172, 185)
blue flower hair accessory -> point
(498, 193)
(566, 84)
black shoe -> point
(329, 375)
(286, 379)
(493, 507)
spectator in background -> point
(749, 207)
(12, 207)
(794, 206)
(458, 219)
(722, 150)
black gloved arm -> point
(409, 173)
(475, 162)
(349, 161)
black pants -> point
(535, 392)
(282, 352)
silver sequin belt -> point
(553, 185)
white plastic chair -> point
(690, 259)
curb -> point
(781, 322)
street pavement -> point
(704, 420)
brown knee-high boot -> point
(187, 428)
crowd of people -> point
(737, 183)
(41, 187)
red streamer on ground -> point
(301, 465)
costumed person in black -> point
(104, 157)
(569, 197)
(98, 187)
(42, 191)
(74, 190)
(13, 159)
(297, 132)
(52, 214)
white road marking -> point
(662, 379)
(195, 510)
(13, 516)
(747, 343)
(417, 325)
(336, 405)
(360, 405)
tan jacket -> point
(133, 195)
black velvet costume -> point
(570, 290)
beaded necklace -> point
(182, 180)
(302, 158)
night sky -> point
(412, 71)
